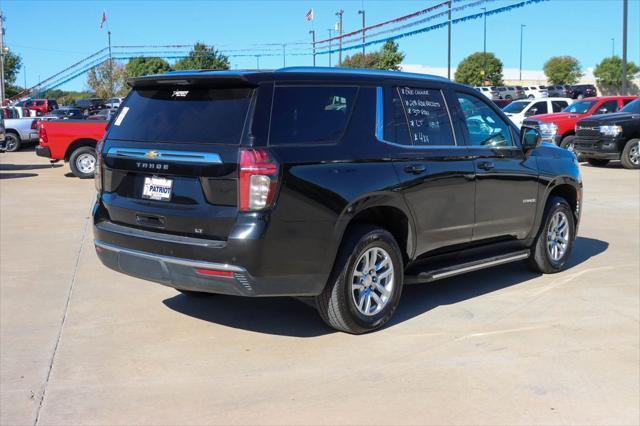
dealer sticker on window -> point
(121, 116)
(157, 188)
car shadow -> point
(16, 175)
(285, 316)
(15, 167)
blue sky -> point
(51, 35)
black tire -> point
(541, 259)
(77, 157)
(597, 162)
(508, 97)
(567, 143)
(12, 142)
(336, 303)
(631, 155)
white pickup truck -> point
(19, 131)
(517, 111)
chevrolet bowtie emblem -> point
(152, 154)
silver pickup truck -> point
(19, 131)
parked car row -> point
(599, 143)
(577, 91)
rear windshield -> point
(195, 115)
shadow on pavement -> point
(16, 175)
(290, 317)
(14, 167)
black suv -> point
(605, 137)
(580, 91)
(89, 106)
(333, 185)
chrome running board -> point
(463, 268)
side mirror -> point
(602, 111)
(530, 138)
(532, 111)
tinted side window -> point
(538, 108)
(427, 116)
(626, 101)
(607, 107)
(485, 126)
(310, 114)
(558, 106)
(396, 128)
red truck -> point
(41, 106)
(73, 141)
(559, 127)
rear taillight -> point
(258, 179)
(34, 124)
(97, 178)
(42, 136)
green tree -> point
(562, 70)
(477, 68)
(388, 57)
(608, 74)
(108, 79)
(12, 90)
(141, 66)
(12, 65)
(203, 57)
(355, 61)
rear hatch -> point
(170, 159)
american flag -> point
(103, 19)
(309, 15)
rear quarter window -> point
(310, 114)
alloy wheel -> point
(558, 236)
(634, 155)
(372, 281)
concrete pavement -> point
(81, 344)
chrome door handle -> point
(486, 165)
(415, 169)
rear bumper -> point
(173, 260)
(175, 272)
(43, 151)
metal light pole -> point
(362, 12)
(1, 58)
(284, 55)
(625, 13)
(484, 49)
(339, 15)
(330, 35)
(258, 61)
(313, 45)
(521, 31)
(613, 47)
(449, 45)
